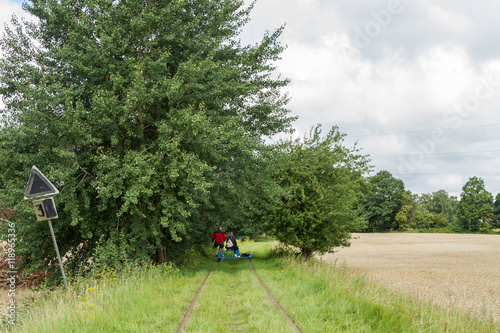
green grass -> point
(318, 298)
(233, 300)
(140, 301)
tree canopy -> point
(475, 205)
(496, 212)
(147, 115)
(320, 181)
(383, 200)
(441, 203)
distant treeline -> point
(388, 206)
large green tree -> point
(475, 205)
(496, 212)
(147, 115)
(441, 203)
(403, 216)
(383, 200)
(319, 184)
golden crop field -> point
(449, 269)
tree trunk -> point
(306, 253)
(161, 255)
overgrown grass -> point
(318, 298)
(140, 300)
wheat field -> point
(453, 270)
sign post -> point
(58, 255)
(45, 209)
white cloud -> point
(454, 182)
(9, 8)
(331, 82)
(447, 19)
(392, 86)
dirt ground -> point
(449, 269)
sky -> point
(415, 84)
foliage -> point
(434, 211)
(475, 206)
(441, 203)
(320, 181)
(114, 252)
(425, 201)
(383, 200)
(148, 116)
(6, 214)
(422, 219)
(439, 220)
(402, 217)
(495, 218)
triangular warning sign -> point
(38, 185)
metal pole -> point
(58, 255)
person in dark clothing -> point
(232, 245)
(218, 239)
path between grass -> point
(233, 300)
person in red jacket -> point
(218, 238)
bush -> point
(114, 253)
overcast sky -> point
(415, 83)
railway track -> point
(191, 307)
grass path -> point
(233, 301)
